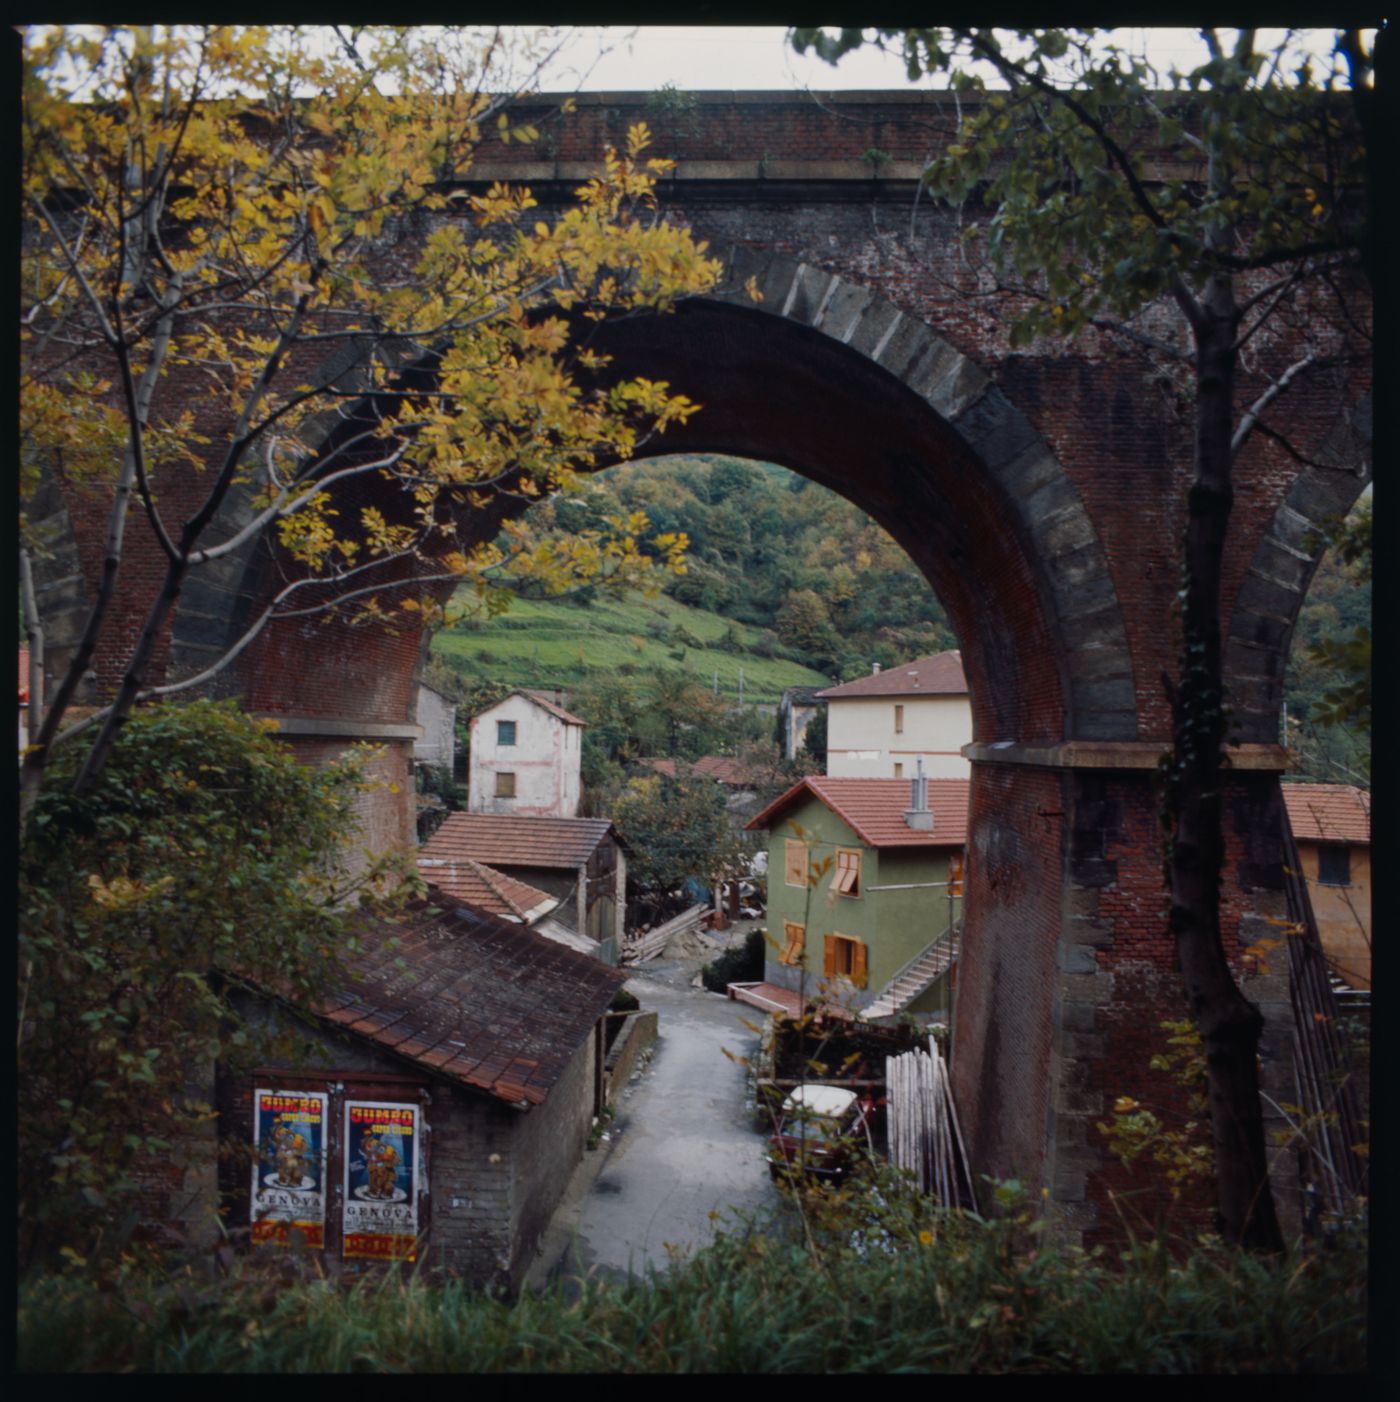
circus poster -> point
(381, 1180)
(289, 1167)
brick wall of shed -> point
(548, 1143)
(495, 1173)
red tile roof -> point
(486, 888)
(1328, 812)
(553, 708)
(507, 840)
(939, 675)
(490, 1005)
(874, 809)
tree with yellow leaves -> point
(253, 283)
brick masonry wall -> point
(495, 1173)
(1003, 1032)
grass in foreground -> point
(877, 1291)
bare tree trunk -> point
(1229, 1023)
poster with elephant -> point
(289, 1167)
(381, 1180)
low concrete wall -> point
(637, 1034)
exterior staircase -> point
(920, 973)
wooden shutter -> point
(795, 936)
(847, 878)
(794, 863)
(858, 963)
(955, 874)
(829, 956)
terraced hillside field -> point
(557, 642)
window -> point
(505, 732)
(794, 863)
(955, 874)
(1334, 866)
(795, 938)
(505, 784)
(847, 878)
(845, 958)
(899, 720)
(898, 770)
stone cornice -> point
(1115, 754)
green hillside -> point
(561, 642)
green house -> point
(865, 890)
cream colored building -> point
(1332, 826)
(878, 726)
(525, 758)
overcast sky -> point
(699, 58)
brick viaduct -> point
(1041, 492)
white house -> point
(877, 726)
(525, 756)
(437, 718)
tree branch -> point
(1251, 417)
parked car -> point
(818, 1129)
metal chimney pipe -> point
(918, 815)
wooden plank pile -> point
(923, 1131)
(646, 946)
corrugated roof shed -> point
(1328, 812)
(939, 675)
(493, 1006)
(874, 809)
(510, 840)
(486, 888)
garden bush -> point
(741, 965)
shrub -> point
(204, 856)
(741, 965)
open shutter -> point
(795, 934)
(955, 874)
(858, 963)
(829, 956)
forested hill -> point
(802, 584)
(791, 585)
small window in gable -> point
(794, 863)
(505, 784)
(1334, 866)
(505, 732)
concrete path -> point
(683, 1144)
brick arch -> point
(846, 388)
(842, 386)
(1279, 574)
(1065, 958)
